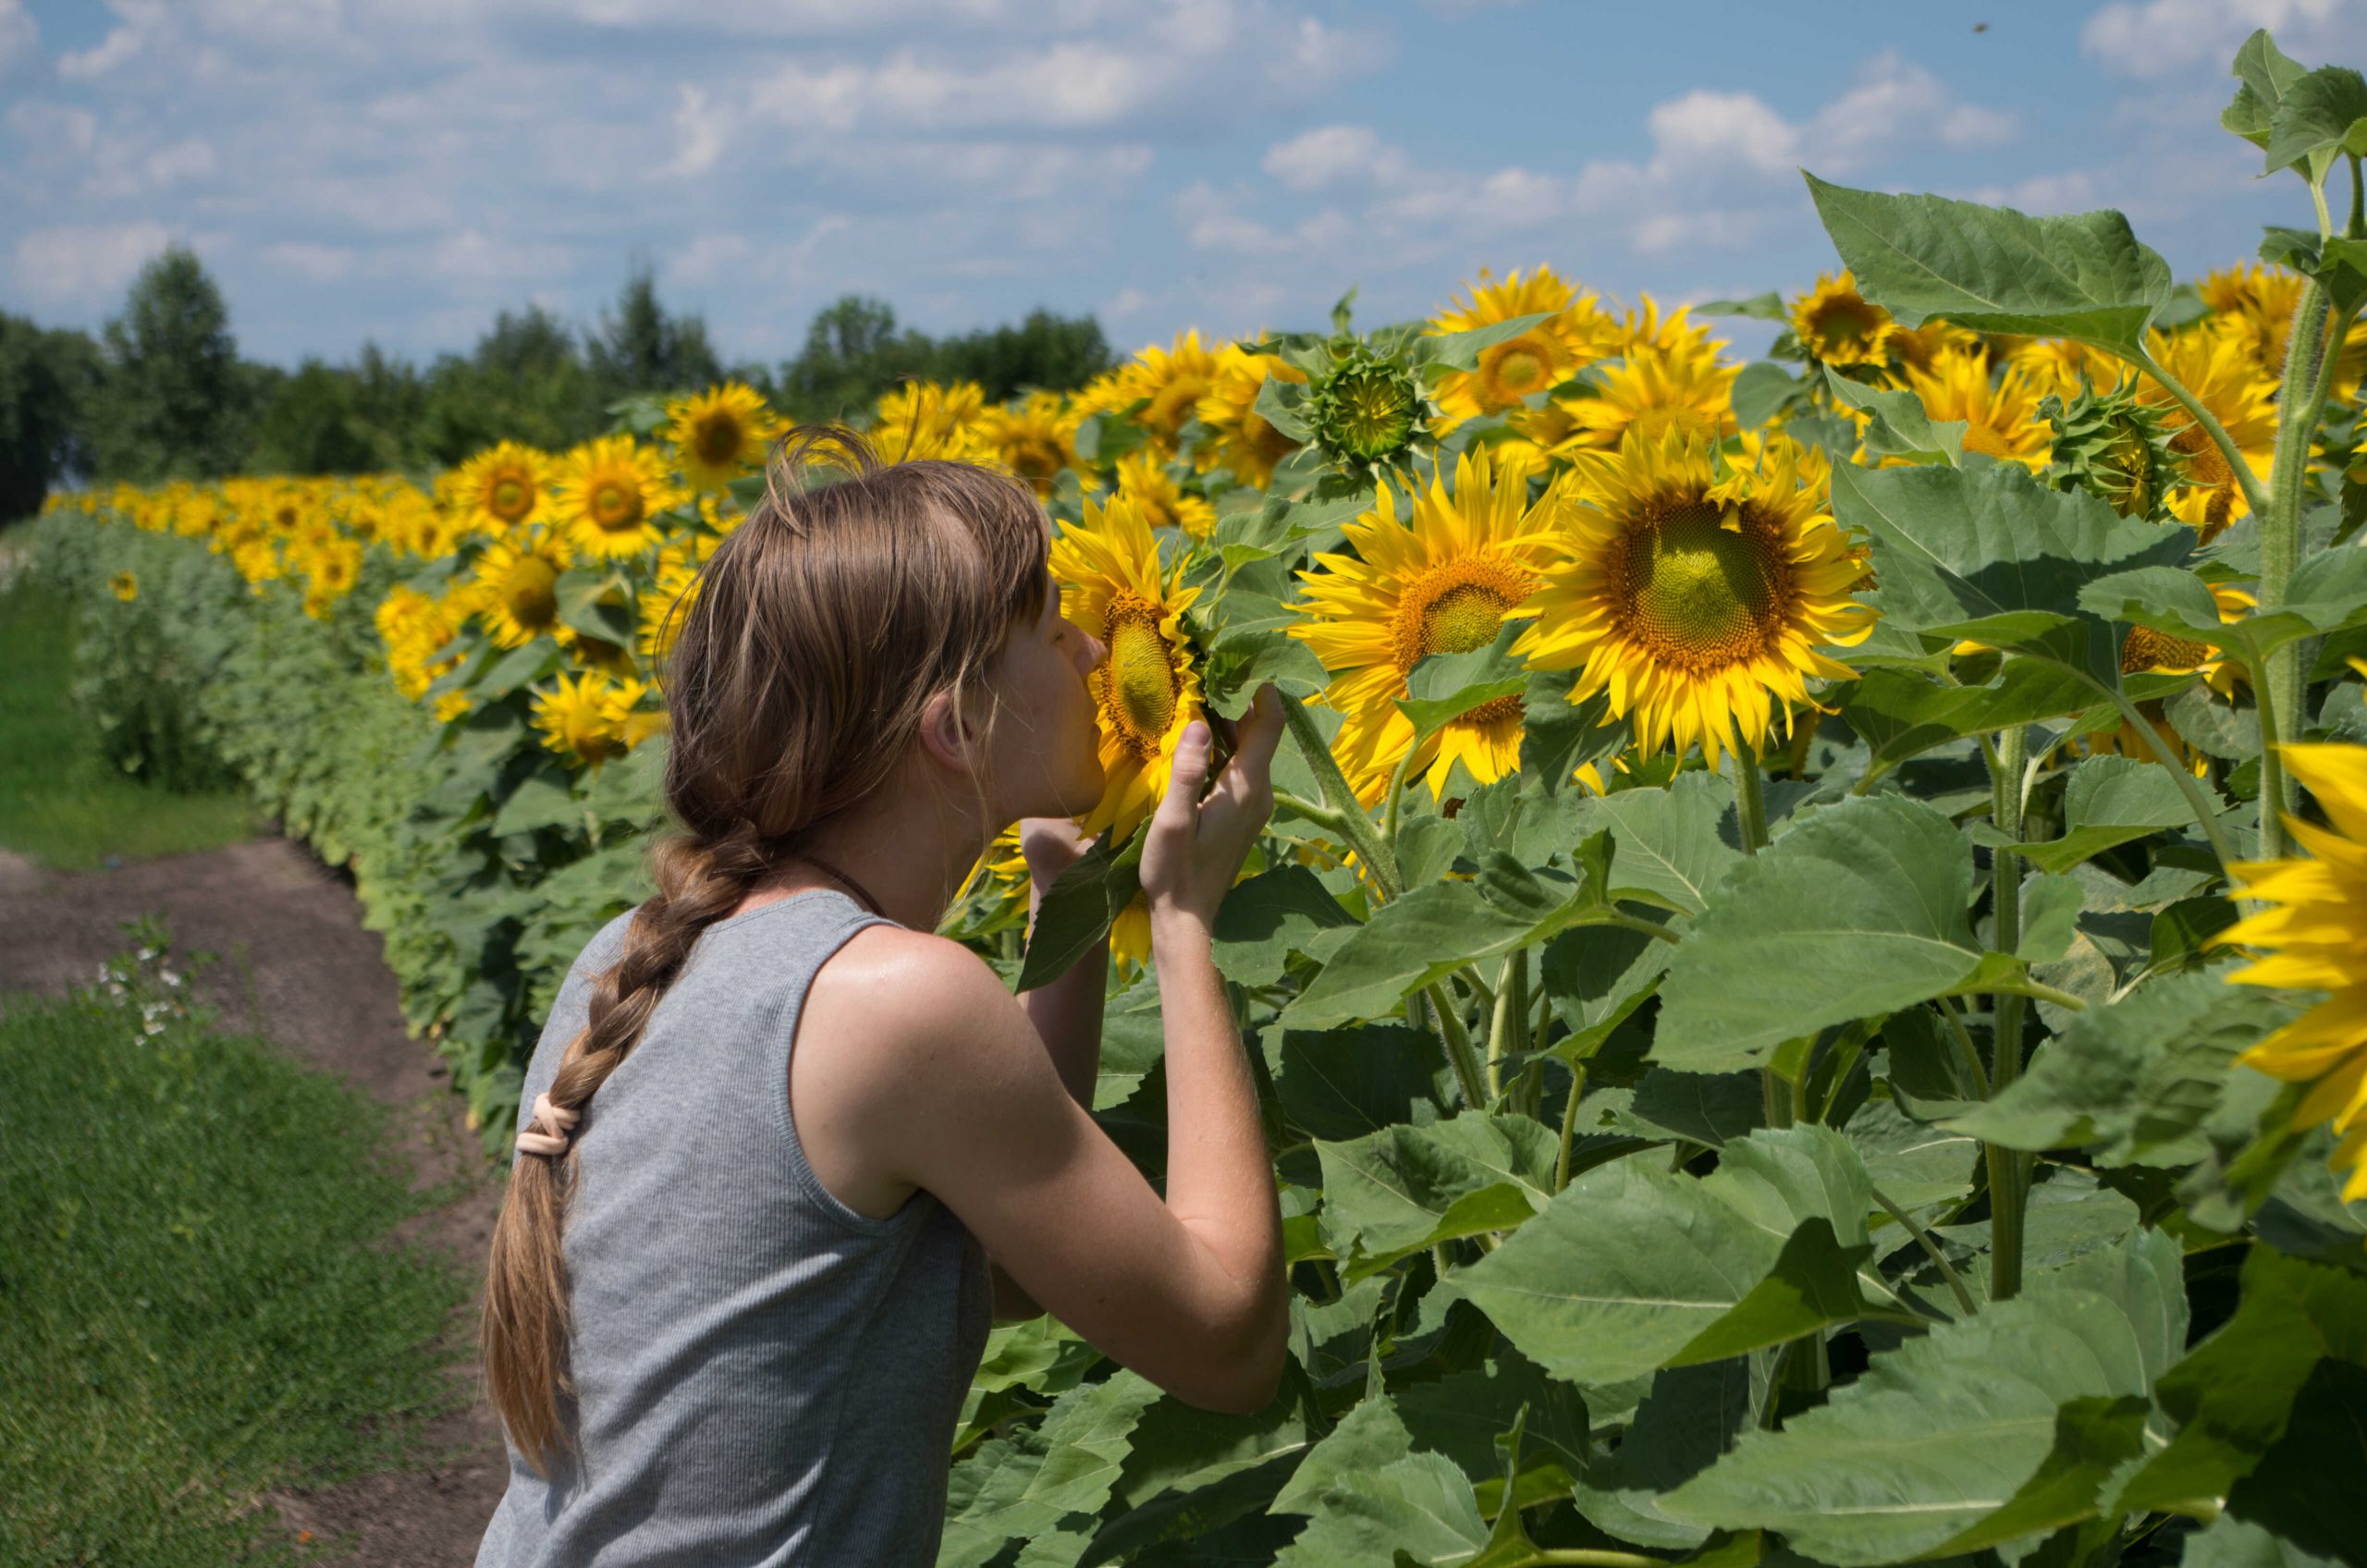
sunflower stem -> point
(1970, 1052)
(1931, 1250)
(1569, 1124)
(1381, 860)
(1751, 802)
(2008, 1170)
(2254, 497)
(1457, 1040)
(1392, 811)
(2207, 819)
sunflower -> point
(1147, 688)
(1244, 441)
(1164, 502)
(1653, 390)
(926, 419)
(720, 434)
(2061, 366)
(677, 579)
(1918, 347)
(609, 493)
(1841, 326)
(414, 627)
(1696, 602)
(2313, 934)
(500, 488)
(2217, 366)
(124, 586)
(515, 589)
(1035, 440)
(2255, 304)
(1440, 579)
(1645, 327)
(1574, 333)
(2001, 418)
(1175, 380)
(590, 718)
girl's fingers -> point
(1182, 805)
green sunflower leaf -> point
(1903, 713)
(1858, 910)
(1671, 848)
(1900, 426)
(1461, 351)
(1027, 1484)
(2109, 801)
(1761, 391)
(2264, 72)
(596, 604)
(1266, 917)
(1993, 269)
(2321, 115)
(1873, 1476)
(1691, 1418)
(2230, 1542)
(1405, 1188)
(1078, 908)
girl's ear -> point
(943, 734)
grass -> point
(198, 1299)
(60, 802)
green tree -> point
(1047, 351)
(852, 353)
(642, 349)
(47, 379)
(526, 380)
(174, 400)
(311, 423)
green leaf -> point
(1995, 270)
(1560, 736)
(2321, 115)
(2050, 917)
(1900, 426)
(1902, 712)
(2306, 1488)
(1076, 911)
(596, 604)
(1914, 1163)
(1444, 687)
(1461, 351)
(1761, 391)
(1708, 1108)
(2139, 1081)
(1813, 1284)
(2264, 72)
(2109, 801)
(1764, 307)
(1368, 1437)
(1941, 1434)
(1244, 659)
(2231, 1542)
(2233, 1394)
(1266, 918)
(1691, 1416)
(539, 801)
(1858, 910)
(1027, 1484)
(520, 667)
(1991, 553)
(1670, 849)
(1346, 1084)
(1463, 1414)
(1189, 1469)
(1623, 1269)
(1418, 1510)
(1405, 1188)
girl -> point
(786, 1150)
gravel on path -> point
(322, 991)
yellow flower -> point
(1918, 347)
(1148, 689)
(1682, 389)
(2001, 418)
(1441, 580)
(1036, 440)
(1145, 481)
(1175, 380)
(2217, 366)
(125, 586)
(2058, 364)
(1575, 333)
(590, 718)
(609, 493)
(2255, 304)
(515, 589)
(2313, 934)
(720, 434)
(677, 579)
(1841, 326)
(1244, 441)
(500, 488)
(924, 418)
(1696, 602)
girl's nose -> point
(1095, 651)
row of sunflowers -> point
(1810, 809)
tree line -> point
(161, 392)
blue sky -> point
(398, 170)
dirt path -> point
(322, 991)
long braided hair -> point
(803, 654)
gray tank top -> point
(766, 1377)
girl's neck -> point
(911, 860)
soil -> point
(321, 990)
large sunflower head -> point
(610, 491)
(1918, 347)
(500, 488)
(1441, 578)
(1173, 379)
(1035, 440)
(2255, 304)
(1244, 442)
(2218, 366)
(515, 589)
(2000, 416)
(1161, 497)
(1841, 326)
(928, 418)
(1654, 391)
(1575, 333)
(720, 434)
(2309, 936)
(1148, 689)
(1697, 602)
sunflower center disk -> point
(2148, 649)
(1138, 684)
(1463, 619)
(1697, 594)
(718, 439)
(1517, 368)
(511, 499)
(615, 508)
(530, 593)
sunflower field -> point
(1808, 976)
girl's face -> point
(1046, 752)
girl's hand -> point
(1195, 847)
(1051, 844)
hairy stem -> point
(2008, 1168)
(1457, 1040)
(1380, 859)
(1569, 1124)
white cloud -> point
(19, 35)
(2158, 37)
(143, 18)
(315, 264)
(2073, 190)
(1333, 154)
(84, 263)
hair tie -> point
(549, 1115)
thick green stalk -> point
(2280, 538)
(2008, 1168)
(1750, 804)
(1931, 1250)
(1499, 1021)
(1380, 859)
(1569, 1124)
(1459, 1053)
